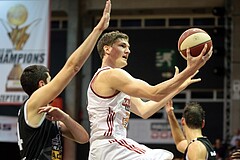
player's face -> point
(120, 52)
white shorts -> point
(125, 149)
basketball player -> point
(41, 126)
(192, 143)
(113, 94)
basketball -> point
(194, 39)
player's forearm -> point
(175, 128)
(151, 107)
(74, 131)
(81, 54)
(174, 83)
(72, 66)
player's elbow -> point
(144, 112)
(179, 148)
(75, 67)
(84, 139)
(72, 67)
(145, 115)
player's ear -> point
(41, 83)
(182, 121)
(106, 49)
(203, 123)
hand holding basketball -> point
(194, 39)
(195, 63)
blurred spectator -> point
(236, 136)
(236, 146)
(221, 149)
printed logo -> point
(56, 148)
(126, 120)
(18, 34)
(126, 104)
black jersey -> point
(41, 143)
(207, 144)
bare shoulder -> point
(107, 82)
(114, 74)
(117, 70)
(197, 150)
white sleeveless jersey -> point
(108, 115)
(109, 118)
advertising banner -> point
(24, 40)
(8, 129)
(150, 131)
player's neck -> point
(192, 134)
(107, 62)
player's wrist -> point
(98, 29)
(65, 118)
(170, 112)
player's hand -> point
(53, 113)
(196, 63)
(104, 21)
(169, 106)
(190, 80)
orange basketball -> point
(194, 39)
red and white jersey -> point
(108, 116)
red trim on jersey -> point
(110, 119)
(130, 147)
(95, 92)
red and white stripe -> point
(110, 123)
(130, 147)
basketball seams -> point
(191, 42)
(189, 32)
(198, 48)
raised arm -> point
(120, 80)
(73, 64)
(177, 133)
(48, 92)
(148, 108)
